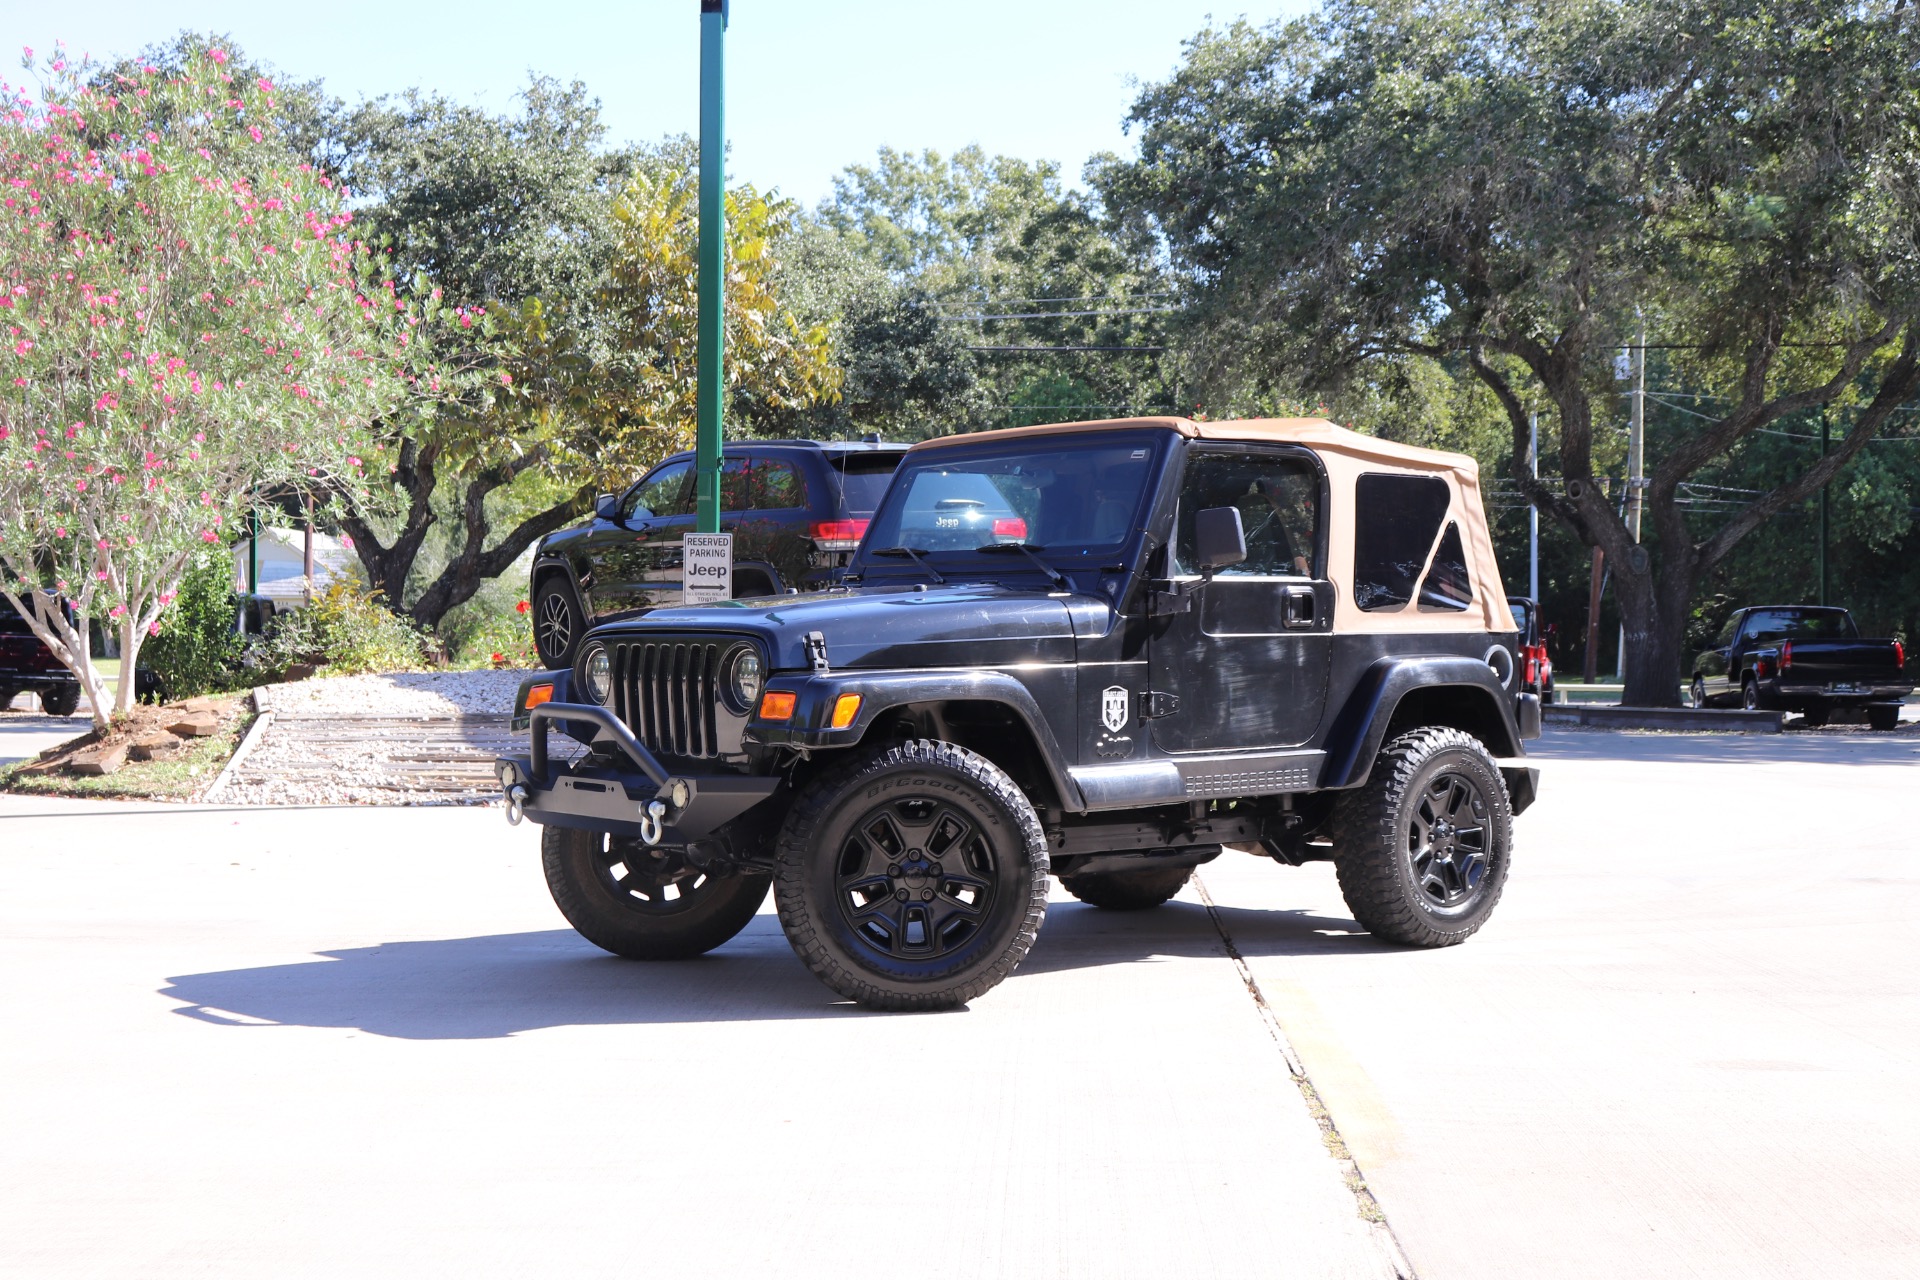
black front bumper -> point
(616, 798)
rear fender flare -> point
(1360, 730)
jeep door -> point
(1245, 669)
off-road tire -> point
(1883, 718)
(1128, 890)
(1374, 832)
(63, 701)
(848, 939)
(709, 911)
(555, 610)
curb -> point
(254, 733)
(1602, 716)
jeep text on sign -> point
(707, 568)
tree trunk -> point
(473, 564)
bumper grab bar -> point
(611, 730)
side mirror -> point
(1219, 538)
(607, 507)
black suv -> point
(796, 510)
(28, 666)
(1105, 651)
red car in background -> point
(1536, 668)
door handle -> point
(1300, 609)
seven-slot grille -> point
(668, 693)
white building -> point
(282, 564)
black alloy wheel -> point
(1699, 693)
(61, 701)
(641, 902)
(915, 878)
(1422, 849)
(558, 624)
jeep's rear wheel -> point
(644, 903)
(1422, 849)
(915, 878)
(1128, 890)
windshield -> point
(1079, 498)
(1814, 624)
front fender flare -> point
(809, 728)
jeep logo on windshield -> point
(1113, 708)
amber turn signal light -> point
(539, 694)
(777, 705)
(845, 708)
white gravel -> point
(418, 695)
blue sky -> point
(814, 85)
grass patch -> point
(183, 776)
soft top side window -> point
(1447, 585)
(1395, 521)
(666, 492)
(1278, 498)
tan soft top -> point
(1347, 455)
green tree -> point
(189, 322)
(1514, 186)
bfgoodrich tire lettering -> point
(624, 899)
(915, 878)
(1422, 849)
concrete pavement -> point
(1686, 1044)
(25, 734)
(362, 1042)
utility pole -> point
(306, 556)
(1826, 435)
(1533, 513)
(711, 383)
(1636, 462)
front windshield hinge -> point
(816, 644)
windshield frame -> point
(867, 567)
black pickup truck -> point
(28, 666)
(1806, 659)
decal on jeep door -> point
(1113, 708)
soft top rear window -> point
(864, 478)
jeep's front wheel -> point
(1422, 848)
(914, 878)
(644, 903)
(1128, 890)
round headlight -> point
(597, 673)
(745, 678)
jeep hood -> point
(973, 624)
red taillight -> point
(838, 535)
(1899, 655)
(1010, 527)
(1786, 655)
(1763, 668)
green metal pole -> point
(1826, 429)
(253, 552)
(711, 385)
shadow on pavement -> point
(502, 984)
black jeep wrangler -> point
(1106, 651)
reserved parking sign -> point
(707, 568)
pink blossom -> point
(153, 628)
(346, 540)
(208, 535)
(217, 56)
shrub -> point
(347, 629)
(500, 639)
(196, 649)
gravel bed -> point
(419, 695)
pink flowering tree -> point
(187, 323)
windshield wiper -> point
(1058, 579)
(913, 554)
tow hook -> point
(650, 821)
(516, 804)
